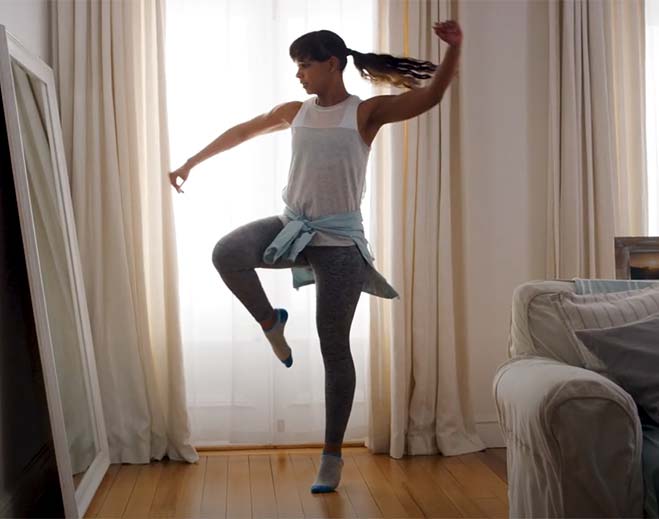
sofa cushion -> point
(536, 328)
(630, 355)
(550, 335)
(603, 310)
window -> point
(227, 62)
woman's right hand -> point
(449, 31)
(181, 173)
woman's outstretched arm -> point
(279, 118)
(393, 108)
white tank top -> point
(328, 164)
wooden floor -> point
(275, 484)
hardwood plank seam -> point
(123, 512)
(370, 490)
(347, 494)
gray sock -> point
(329, 474)
(276, 338)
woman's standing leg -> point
(339, 274)
(236, 256)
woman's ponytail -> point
(378, 68)
(384, 68)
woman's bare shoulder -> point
(288, 110)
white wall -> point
(503, 92)
(29, 21)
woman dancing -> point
(320, 235)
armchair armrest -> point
(573, 441)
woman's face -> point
(314, 75)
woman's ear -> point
(334, 63)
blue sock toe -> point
(289, 361)
(321, 489)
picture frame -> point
(637, 257)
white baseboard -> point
(490, 433)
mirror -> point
(56, 284)
(55, 267)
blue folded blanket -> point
(595, 286)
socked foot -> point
(275, 335)
(329, 474)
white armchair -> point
(573, 437)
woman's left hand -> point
(449, 31)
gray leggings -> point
(339, 273)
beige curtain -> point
(596, 177)
(418, 389)
(109, 63)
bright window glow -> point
(227, 61)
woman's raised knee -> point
(223, 255)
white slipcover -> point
(573, 437)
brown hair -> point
(378, 68)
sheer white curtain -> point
(652, 111)
(227, 61)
